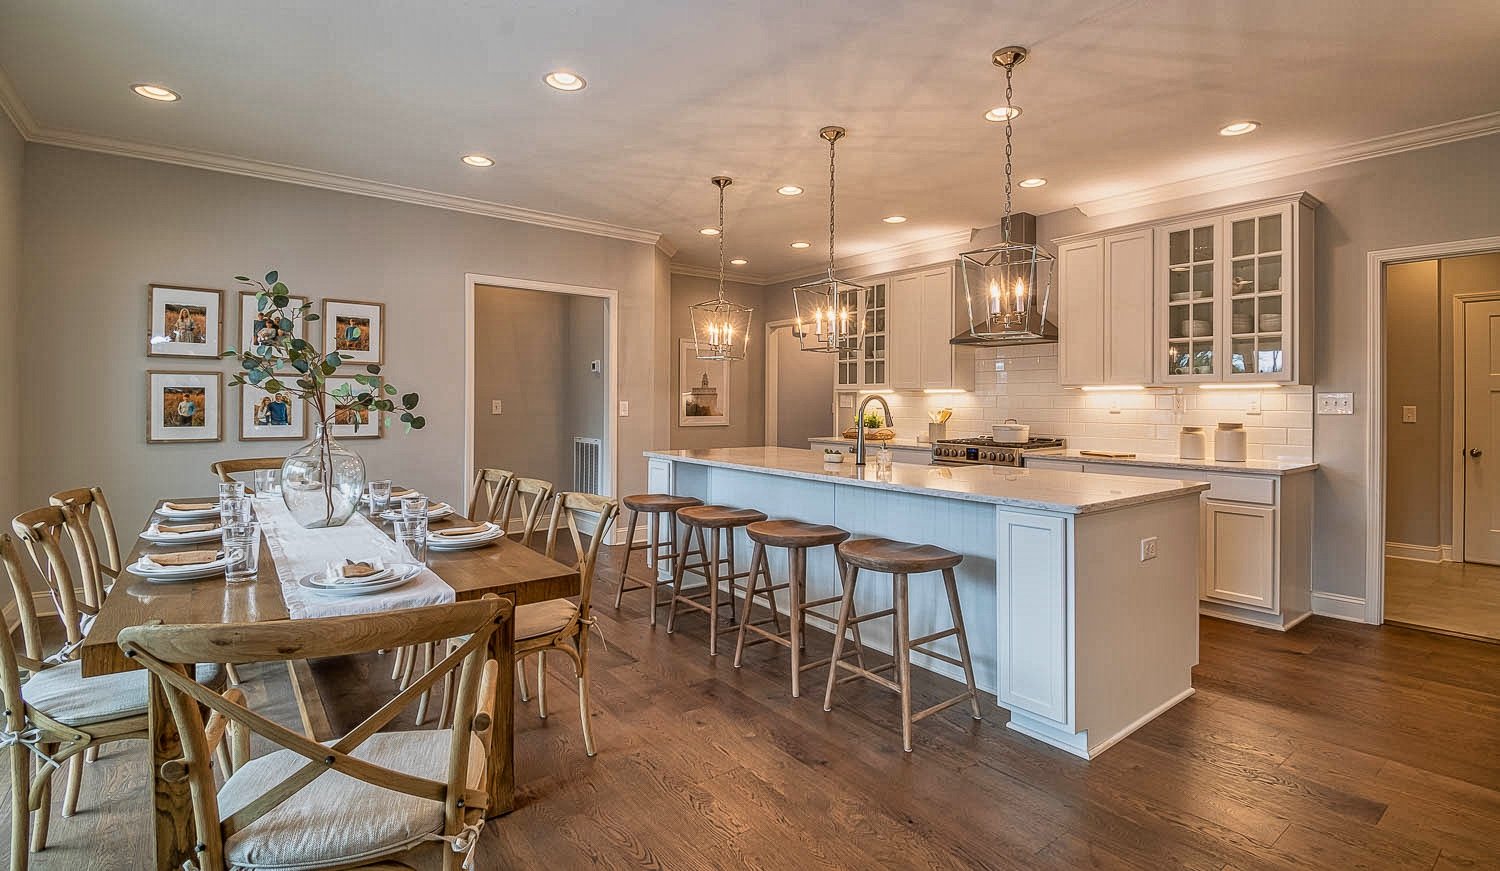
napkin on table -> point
(180, 528)
(190, 506)
(183, 558)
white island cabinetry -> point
(1080, 638)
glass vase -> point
(322, 481)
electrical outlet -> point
(624, 408)
(1114, 406)
(1408, 414)
(1254, 406)
(496, 406)
(1179, 403)
(1335, 403)
(1148, 548)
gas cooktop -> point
(988, 452)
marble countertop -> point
(1039, 489)
(1167, 461)
(895, 443)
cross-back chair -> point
(86, 503)
(528, 496)
(227, 469)
(488, 494)
(367, 799)
(53, 716)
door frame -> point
(1458, 506)
(773, 373)
(1375, 263)
(609, 478)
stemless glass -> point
(380, 496)
(231, 490)
(414, 507)
(268, 482)
(411, 537)
(241, 551)
(233, 510)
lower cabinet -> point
(1239, 553)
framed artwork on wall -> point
(184, 407)
(257, 331)
(704, 388)
(355, 329)
(184, 321)
(268, 416)
(349, 423)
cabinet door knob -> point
(1476, 453)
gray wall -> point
(12, 158)
(98, 229)
(518, 360)
(586, 413)
(1432, 195)
(804, 392)
(747, 377)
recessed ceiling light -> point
(565, 81)
(894, 219)
(801, 245)
(157, 93)
(709, 231)
(1003, 113)
(789, 190)
(738, 261)
(478, 160)
(1238, 128)
(1032, 182)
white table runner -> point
(299, 552)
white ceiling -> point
(1118, 96)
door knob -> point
(1476, 453)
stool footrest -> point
(925, 639)
(873, 615)
(852, 652)
(942, 706)
(951, 660)
(831, 600)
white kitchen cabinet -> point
(1239, 553)
(924, 316)
(1105, 311)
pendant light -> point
(1009, 285)
(828, 309)
(721, 329)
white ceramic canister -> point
(1229, 443)
(1192, 444)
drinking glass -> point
(231, 490)
(241, 551)
(411, 537)
(233, 510)
(414, 507)
(268, 482)
(380, 496)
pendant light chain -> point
(1009, 114)
(832, 140)
(721, 239)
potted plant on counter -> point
(322, 481)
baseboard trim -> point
(41, 602)
(1441, 553)
(1339, 606)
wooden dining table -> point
(507, 568)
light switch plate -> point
(1149, 548)
(624, 408)
(1408, 414)
(1335, 403)
(496, 406)
(1253, 406)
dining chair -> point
(53, 715)
(368, 798)
(227, 469)
(86, 503)
(530, 496)
(490, 487)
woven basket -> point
(873, 435)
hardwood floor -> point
(1334, 746)
(1456, 598)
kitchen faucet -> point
(859, 425)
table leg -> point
(172, 802)
(502, 767)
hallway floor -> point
(1455, 598)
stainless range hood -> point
(1037, 329)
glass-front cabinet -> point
(1234, 293)
(846, 369)
(867, 367)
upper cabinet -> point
(908, 318)
(1228, 296)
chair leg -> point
(398, 663)
(963, 640)
(43, 807)
(585, 714)
(654, 561)
(20, 805)
(75, 785)
(422, 703)
(522, 684)
(239, 745)
(757, 559)
(625, 563)
(797, 579)
(679, 570)
(846, 607)
(903, 658)
(541, 684)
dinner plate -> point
(174, 574)
(464, 542)
(441, 511)
(313, 583)
(152, 535)
(320, 579)
(173, 513)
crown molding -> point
(734, 277)
(926, 245)
(15, 109)
(1368, 149)
(666, 247)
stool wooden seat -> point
(652, 505)
(715, 552)
(901, 559)
(796, 536)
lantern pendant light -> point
(828, 309)
(721, 329)
(1009, 285)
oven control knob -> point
(988, 455)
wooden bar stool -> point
(714, 566)
(654, 505)
(900, 559)
(797, 537)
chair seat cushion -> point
(338, 820)
(544, 618)
(65, 695)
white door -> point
(1481, 455)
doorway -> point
(799, 390)
(1442, 429)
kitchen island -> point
(1080, 592)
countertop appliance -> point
(988, 452)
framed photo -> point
(256, 331)
(268, 416)
(184, 407)
(704, 386)
(351, 424)
(355, 329)
(184, 321)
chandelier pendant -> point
(828, 309)
(721, 329)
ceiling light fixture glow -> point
(789, 190)
(800, 245)
(156, 92)
(709, 231)
(1032, 182)
(564, 80)
(738, 261)
(1239, 128)
(478, 160)
(894, 219)
(1003, 113)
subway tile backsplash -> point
(1021, 382)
